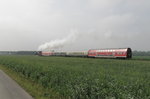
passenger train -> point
(124, 53)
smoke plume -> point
(58, 43)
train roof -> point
(110, 48)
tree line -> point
(141, 53)
(17, 52)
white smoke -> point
(58, 43)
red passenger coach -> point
(111, 53)
(46, 53)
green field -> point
(84, 78)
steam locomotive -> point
(124, 53)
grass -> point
(80, 78)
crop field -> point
(85, 78)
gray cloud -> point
(26, 24)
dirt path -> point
(9, 89)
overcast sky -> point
(26, 24)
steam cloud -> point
(58, 43)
